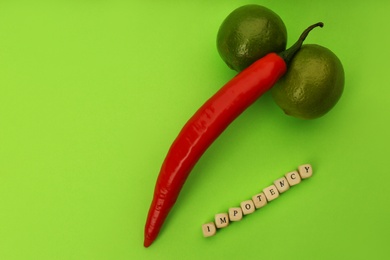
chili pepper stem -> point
(288, 54)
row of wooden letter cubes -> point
(259, 200)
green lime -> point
(312, 85)
(248, 33)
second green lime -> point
(312, 85)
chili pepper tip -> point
(147, 242)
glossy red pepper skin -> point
(201, 131)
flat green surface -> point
(92, 93)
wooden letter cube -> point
(247, 207)
(209, 229)
(235, 214)
(259, 200)
(271, 192)
(305, 171)
(293, 178)
(221, 220)
(281, 184)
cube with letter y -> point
(306, 171)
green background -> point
(92, 94)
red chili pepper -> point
(207, 124)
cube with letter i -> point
(209, 229)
